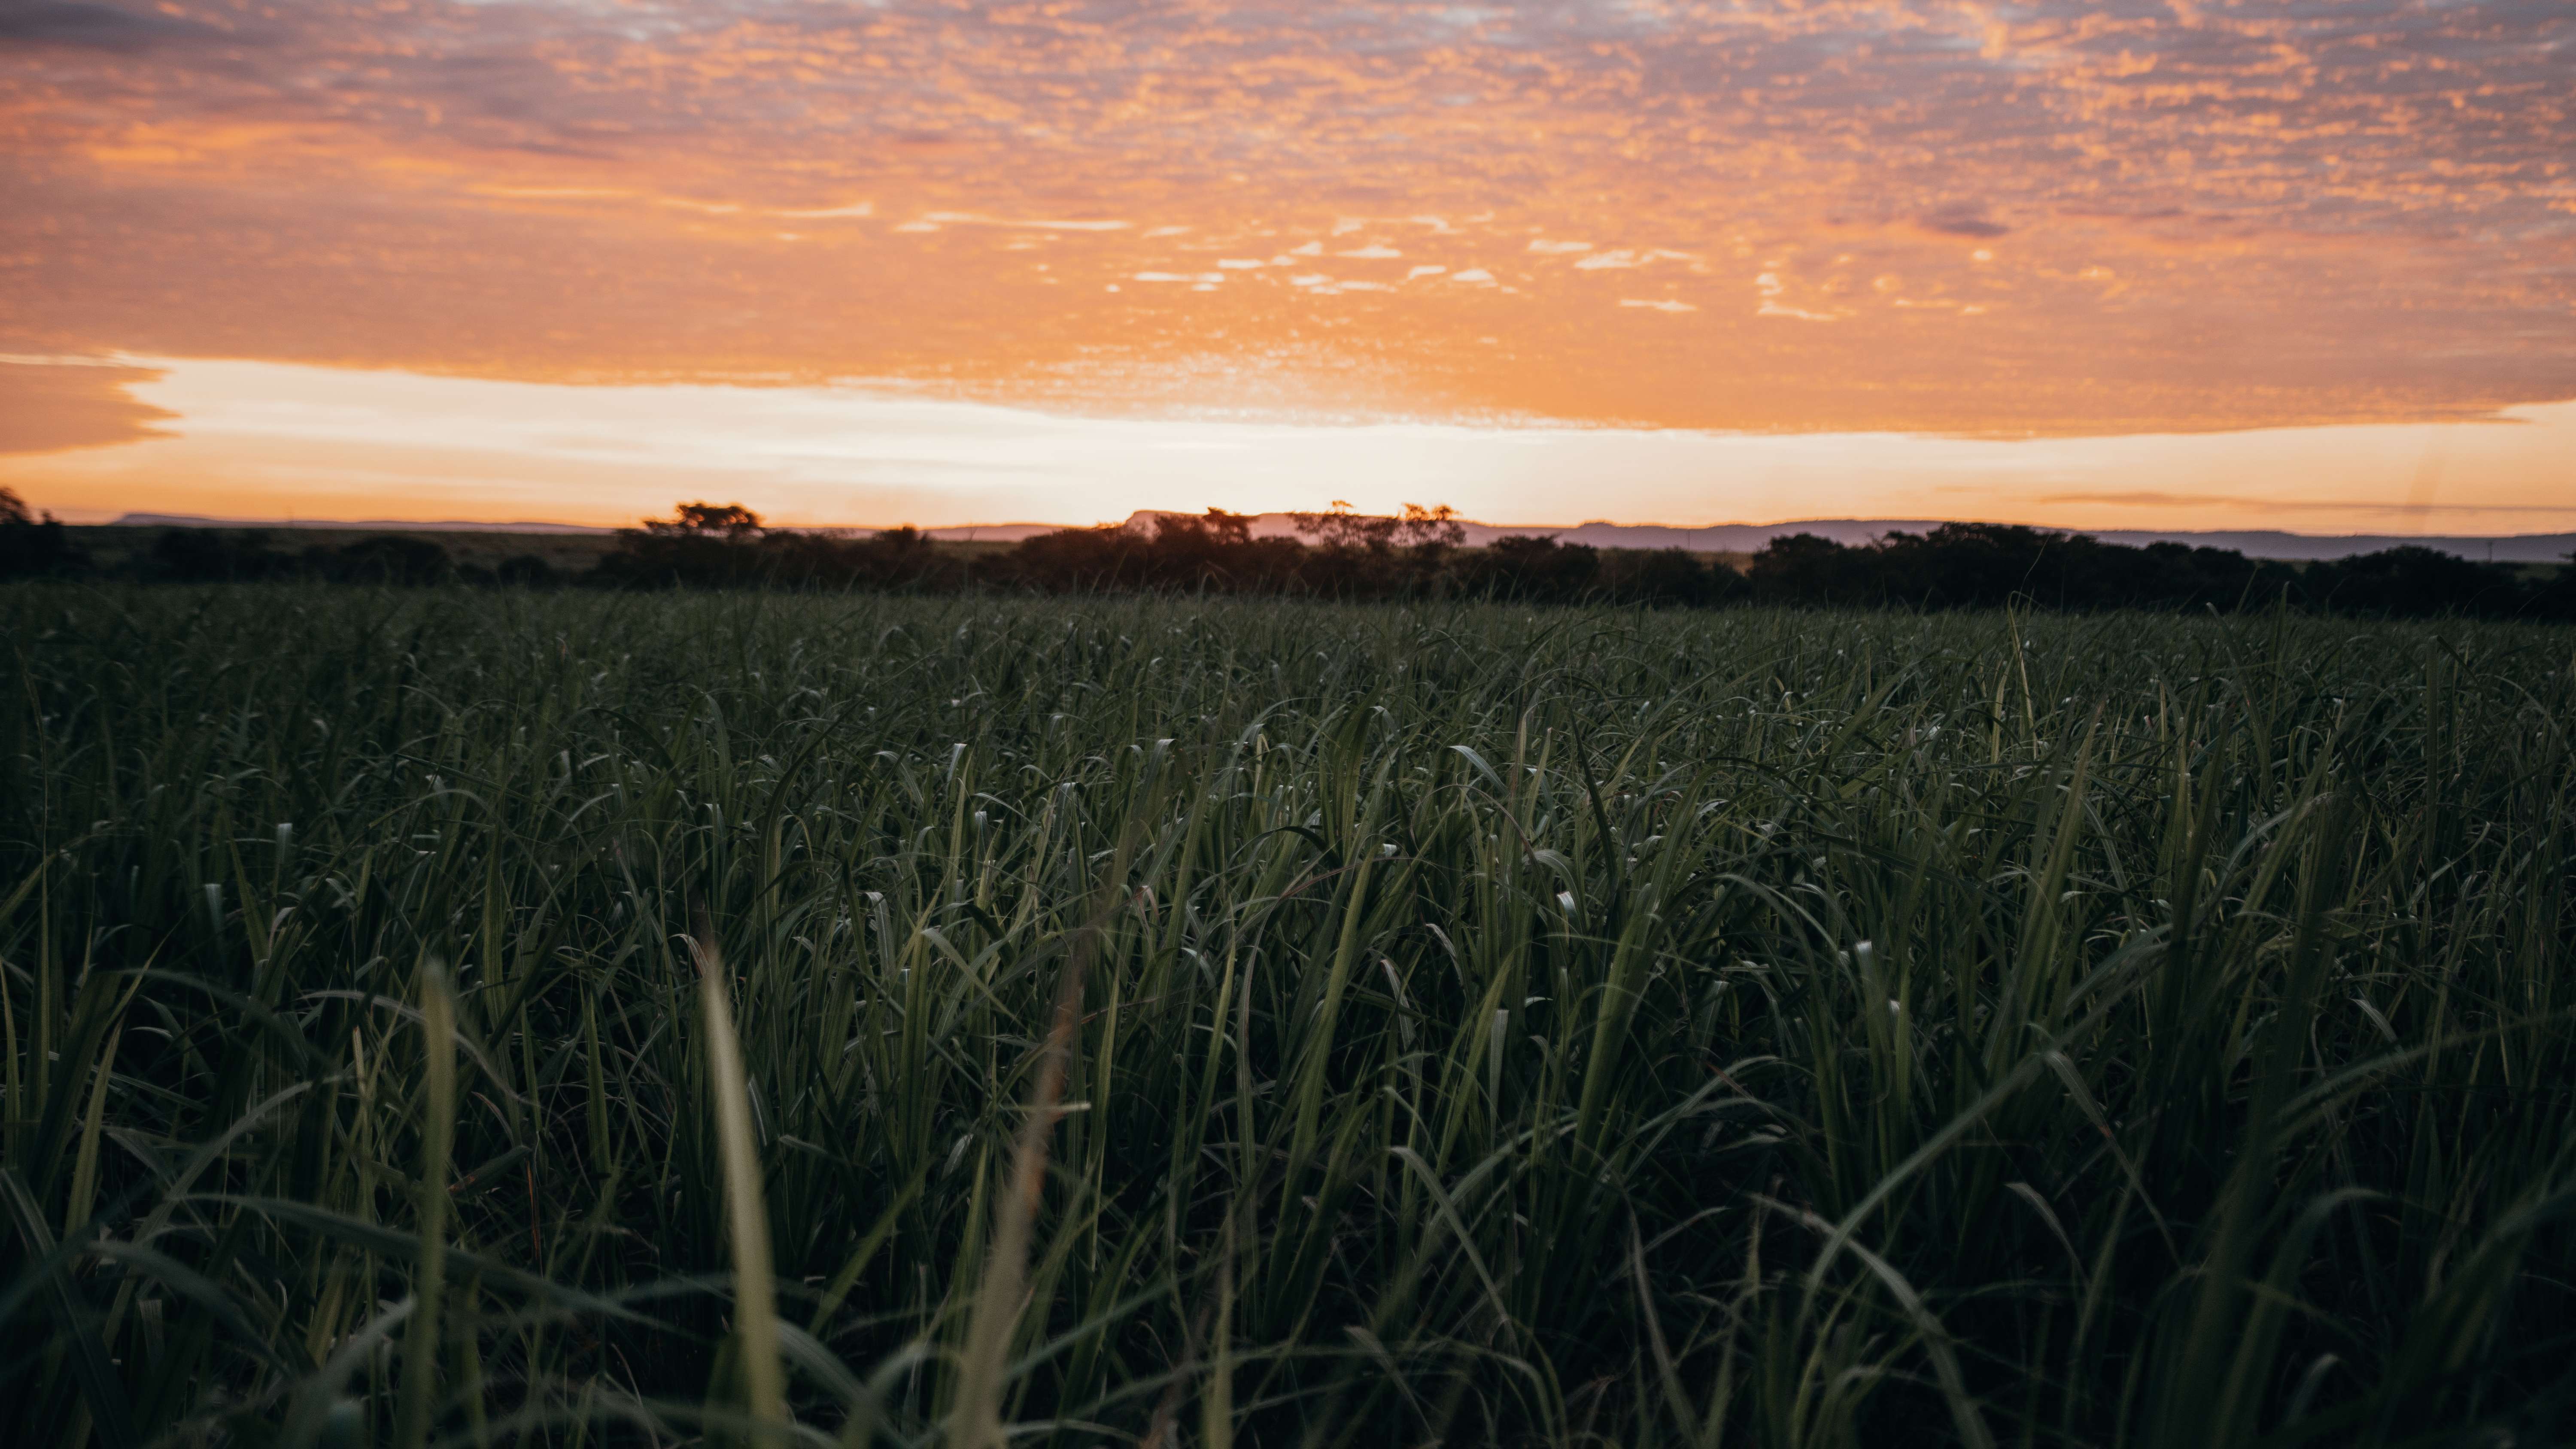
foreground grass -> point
(1277, 1025)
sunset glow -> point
(2287, 264)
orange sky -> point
(1907, 222)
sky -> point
(2305, 264)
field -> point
(447, 1017)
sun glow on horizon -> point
(270, 440)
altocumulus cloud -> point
(2316, 210)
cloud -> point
(48, 404)
(2307, 216)
(968, 218)
(1962, 221)
(86, 24)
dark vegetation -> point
(440, 1016)
(32, 547)
(1352, 557)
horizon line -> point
(142, 519)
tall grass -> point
(496, 1019)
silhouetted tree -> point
(1416, 554)
(32, 547)
(1359, 555)
(2412, 581)
(1807, 568)
(701, 544)
(1532, 569)
(1667, 578)
(1986, 565)
(729, 521)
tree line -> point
(1341, 554)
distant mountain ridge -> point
(1712, 538)
(1751, 537)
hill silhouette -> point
(1753, 537)
(2517, 548)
